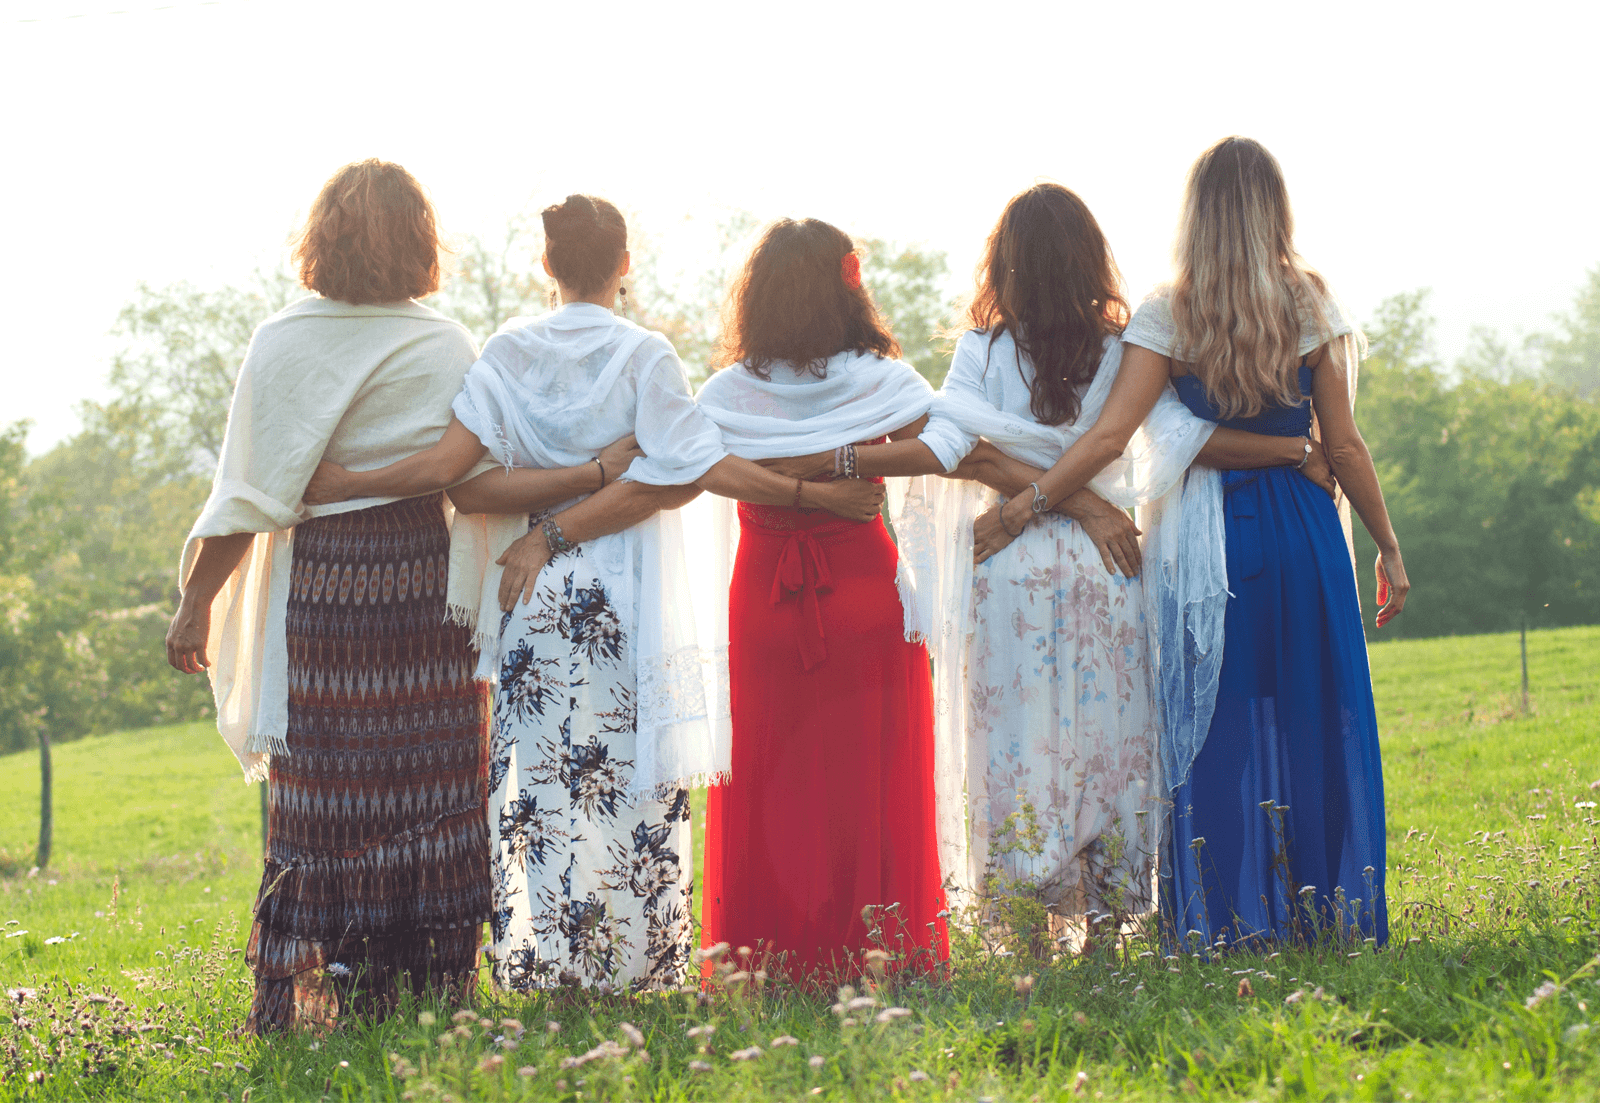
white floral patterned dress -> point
(1055, 693)
(592, 883)
(587, 881)
(1060, 716)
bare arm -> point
(903, 455)
(619, 506)
(1114, 534)
(524, 489)
(448, 462)
(1140, 381)
(191, 625)
(1352, 464)
(732, 477)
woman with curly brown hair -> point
(830, 803)
(337, 678)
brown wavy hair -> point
(1242, 294)
(371, 237)
(584, 239)
(1048, 277)
(790, 302)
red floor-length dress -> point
(831, 803)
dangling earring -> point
(622, 293)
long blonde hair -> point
(1242, 295)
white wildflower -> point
(1540, 994)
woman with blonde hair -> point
(1269, 738)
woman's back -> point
(554, 390)
(1275, 421)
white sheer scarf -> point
(552, 392)
(794, 413)
(1186, 569)
(936, 530)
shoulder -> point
(1151, 326)
(723, 385)
(881, 370)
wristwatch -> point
(1305, 459)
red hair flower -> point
(850, 271)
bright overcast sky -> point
(1444, 146)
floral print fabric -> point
(589, 885)
(1060, 717)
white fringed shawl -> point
(936, 531)
(363, 385)
(1186, 568)
(551, 392)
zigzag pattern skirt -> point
(377, 870)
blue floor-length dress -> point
(1294, 724)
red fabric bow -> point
(850, 271)
(803, 572)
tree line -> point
(1491, 465)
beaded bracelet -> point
(799, 484)
(558, 543)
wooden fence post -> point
(1524, 665)
(46, 825)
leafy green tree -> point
(1573, 355)
(1487, 477)
(908, 283)
(495, 280)
(181, 351)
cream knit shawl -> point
(362, 385)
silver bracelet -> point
(1040, 501)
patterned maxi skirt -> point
(591, 886)
(1061, 727)
(377, 872)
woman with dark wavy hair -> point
(338, 679)
(830, 804)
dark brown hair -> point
(584, 239)
(791, 302)
(1047, 276)
(371, 237)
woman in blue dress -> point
(1269, 740)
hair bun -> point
(585, 238)
(574, 216)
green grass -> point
(1492, 871)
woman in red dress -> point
(829, 808)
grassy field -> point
(129, 952)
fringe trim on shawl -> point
(463, 616)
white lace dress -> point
(1059, 717)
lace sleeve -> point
(1151, 326)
